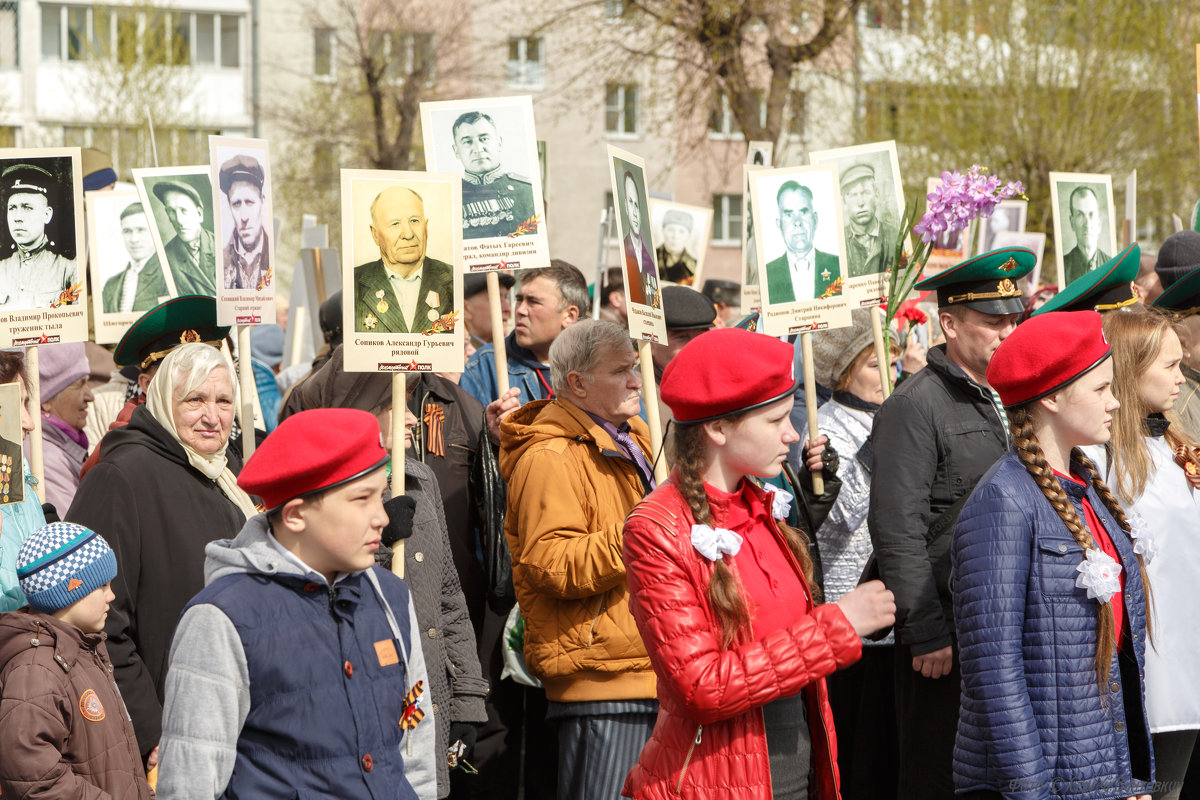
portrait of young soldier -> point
(247, 259)
(34, 270)
(1086, 214)
(192, 251)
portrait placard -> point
(643, 292)
(1033, 241)
(181, 220)
(872, 199)
(798, 214)
(12, 478)
(1085, 223)
(1008, 216)
(490, 143)
(682, 233)
(127, 276)
(43, 294)
(242, 198)
(751, 291)
(758, 154)
(402, 271)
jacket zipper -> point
(688, 760)
(595, 619)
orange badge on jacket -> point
(90, 707)
(386, 650)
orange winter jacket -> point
(569, 491)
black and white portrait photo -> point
(40, 247)
(124, 263)
(872, 203)
(1008, 217)
(1084, 223)
(491, 143)
(637, 246)
(682, 233)
(181, 217)
(246, 245)
(796, 213)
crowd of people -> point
(989, 596)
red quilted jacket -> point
(709, 741)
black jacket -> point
(158, 513)
(933, 439)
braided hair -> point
(687, 448)
(1025, 443)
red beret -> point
(727, 370)
(313, 451)
(1045, 353)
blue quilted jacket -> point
(1032, 723)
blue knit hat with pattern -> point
(62, 563)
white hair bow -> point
(713, 542)
(781, 506)
(1143, 538)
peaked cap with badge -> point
(1182, 296)
(28, 179)
(1106, 288)
(986, 283)
(180, 320)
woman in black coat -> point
(164, 487)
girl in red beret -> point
(722, 592)
(1049, 589)
(1153, 467)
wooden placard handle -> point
(810, 402)
(501, 355)
(653, 419)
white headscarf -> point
(160, 401)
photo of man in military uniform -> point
(35, 271)
(246, 256)
(496, 202)
(402, 291)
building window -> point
(621, 109)
(526, 62)
(9, 35)
(722, 124)
(727, 219)
(323, 52)
(77, 33)
(401, 55)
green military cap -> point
(1106, 288)
(985, 283)
(180, 320)
(1182, 296)
(163, 187)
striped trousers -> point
(598, 743)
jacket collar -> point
(937, 360)
(515, 352)
(1156, 426)
(28, 625)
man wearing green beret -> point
(936, 436)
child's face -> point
(343, 531)
(89, 613)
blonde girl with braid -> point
(722, 593)
(1049, 589)
(1154, 471)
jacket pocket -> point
(1055, 563)
(971, 449)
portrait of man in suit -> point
(640, 264)
(403, 291)
(1086, 217)
(803, 272)
(140, 284)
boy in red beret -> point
(297, 668)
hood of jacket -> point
(250, 552)
(541, 420)
(144, 430)
(18, 628)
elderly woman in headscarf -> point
(17, 520)
(164, 487)
(63, 371)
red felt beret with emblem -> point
(1045, 353)
(313, 451)
(725, 371)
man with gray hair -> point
(576, 465)
(496, 201)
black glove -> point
(465, 732)
(400, 512)
(829, 459)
